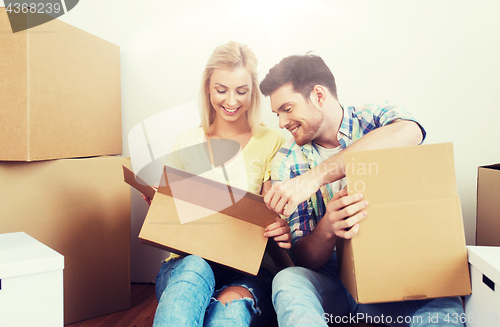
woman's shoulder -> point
(268, 133)
(197, 131)
(191, 136)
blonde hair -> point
(230, 56)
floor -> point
(141, 313)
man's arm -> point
(279, 230)
(343, 213)
(292, 192)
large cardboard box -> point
(81, 209)
(60, 93)
(412, 243)
(31, 283)
(482, 307)
(229, 225)
(488, 206)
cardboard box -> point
(31, 283)
(60, 91)
(482, 307)
(412, 243)
(230, 225)
(81, 209)
(488, 206)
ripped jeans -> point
(186, 289)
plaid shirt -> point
(293, 160)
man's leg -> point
(441, 312)
(302, 296)
(437, 312)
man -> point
(308, 189)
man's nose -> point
(283, 121)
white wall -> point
(437, 59)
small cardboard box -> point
(482, 307)
(488, 206)
(81, 209)
(60, 93)
(412, 243)
(31, 283)
(229, 229)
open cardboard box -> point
(229, 227)
(488, 206)
(60, 93)
(412, 243)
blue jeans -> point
(186, 289)
(303, 297)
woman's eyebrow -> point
(238, 87)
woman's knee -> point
(193, 268)
(233, 306)
(196, 264)
(232, 293)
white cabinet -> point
(31, 283)
(482, 307)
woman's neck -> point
(225, 129)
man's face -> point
(300, 117)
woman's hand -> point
(148, 200)
(280, 231)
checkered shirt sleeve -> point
(288, 163)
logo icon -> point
(25, 15)
(195, 194)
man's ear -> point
(318, 95)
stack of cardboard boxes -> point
(60, 181)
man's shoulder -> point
(369, 107)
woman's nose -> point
(231, 99)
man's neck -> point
(330, 127)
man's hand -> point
(284, 197)
(342, 217)
(280, 231)
(344, 212)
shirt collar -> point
(346, 125)
(308, 150)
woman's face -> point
(230, 93)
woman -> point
(190, 291)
